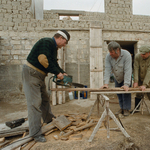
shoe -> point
(51, 120)
(126, 112)
(119, 112)
(40, 138)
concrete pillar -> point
(96, 59)
(37, 9)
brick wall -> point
(19, 31)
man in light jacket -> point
(119, 62)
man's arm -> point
(48, 57)
(107, 71)
(136, 70)
(127, 70)
(147, 76)
(135, 85)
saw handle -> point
(64, 82)
(55, 79)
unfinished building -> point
(21, 27)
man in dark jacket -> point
(41, 60)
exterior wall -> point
(19, 31)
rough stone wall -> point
(19, 31)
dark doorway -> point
(128, 45)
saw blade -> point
(77, 85)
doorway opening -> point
(130, 46)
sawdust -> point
(136, 125)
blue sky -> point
(140, 7)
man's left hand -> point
(126, 88)
(65, 74)
(143, 88)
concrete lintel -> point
(68, 12)
(116, 30)
(68, 29)
(95, 46)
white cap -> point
(63, 34)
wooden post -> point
(60, 62)
(78, 72)
(59, 95)
(54, 94)
(63, 67)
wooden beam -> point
(13, 132)
(115, 90)
(27, 138)
(61, 122)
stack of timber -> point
(68, 126)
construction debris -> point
(76, 137)
(61, 122)
(70, 127)
(56, 137)
(7, 132)
(2, 140)
(29, 145)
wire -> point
(100, 5)
(93, 5)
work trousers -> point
(124, 99)
(37, 99)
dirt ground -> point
(13, 106)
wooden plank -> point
(68, 133)
(5, 143)
(2, 139)
(14, 131)
(27, 138)
(29, 146)
(47, 133)
(112, 90)
(96, 70)
(59, 95)
(61, 122)
(76, 137)
(85, 126)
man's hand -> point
(135, 85)
(142, 88)
(126, 88)
(104, 86)
(60, 76)
(65, 74)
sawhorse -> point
(100, 100)
(141, 103)
(107, 113)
